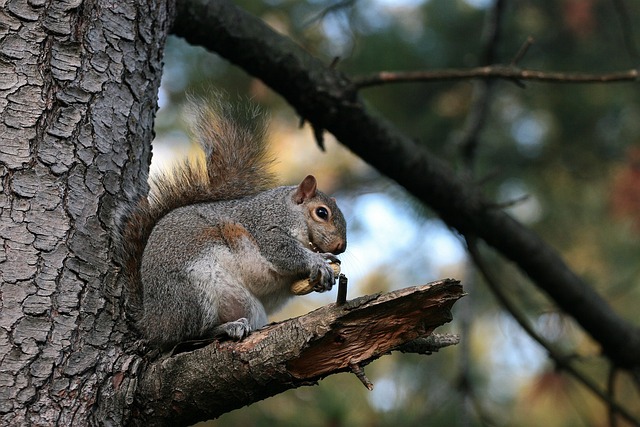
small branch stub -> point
(342, 289)
(359, 372)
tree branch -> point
(507, 72)
(334, 338)
(328, 99)
(482, 93)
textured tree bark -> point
(78, 87)
(208, 382)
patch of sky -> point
(167, 148)
(400, 3)
(480, 4)
(390, 233)
(163, 97)
(509, 107)
(182, 60)
(339, 36)
(522, 204)
(375, 16)
(380, 14)
(529, 132)
(515, 357)
(554, 326)
(174, 73)
(339, 24)
(387, 394)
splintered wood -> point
(361, 330)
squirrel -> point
(215, 247)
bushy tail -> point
(235, 165)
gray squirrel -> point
(216, 247)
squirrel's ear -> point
(306, 189)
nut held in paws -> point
(304, 286)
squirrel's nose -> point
(339, 247)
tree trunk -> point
(78, 84)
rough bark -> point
(328, 100)
(208, 382)
(78, 87)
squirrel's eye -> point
(322, 212)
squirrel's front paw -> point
(322, 275)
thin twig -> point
(492, 32)
(479, 112)
(561, 360)
(492, 72)
(334, 8)
(522, 51)
(509, 203)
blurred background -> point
(562, 158)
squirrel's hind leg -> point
(235, 330)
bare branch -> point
(492, 72)
(493, 32)
(335, 338)
(522, 51)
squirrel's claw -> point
(323, 277)
(330, 257)
(235, 330)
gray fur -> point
(186, 277)
(215, 250)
